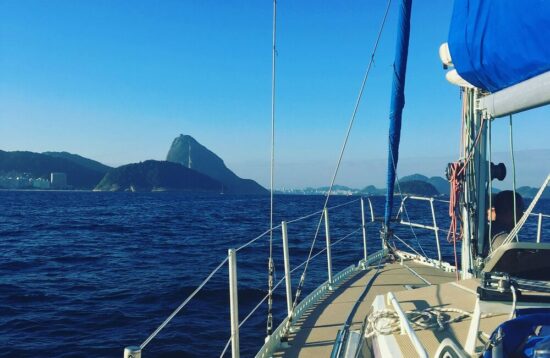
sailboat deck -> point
(460, 295)
(318, 327)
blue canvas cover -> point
(397, 100)
(495, 44)
(520, 333)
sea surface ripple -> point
(86, 273)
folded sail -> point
(495, 44)
(397, 101)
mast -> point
(474, 196)
(397, 102)
(481, 181)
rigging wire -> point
(457, 171)
(244, 320)
(176, 311)
(513, 171)
(269, 324)
(329, 192)
(489, 134)
(404, 206)
(526, 213)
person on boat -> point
(501, 216)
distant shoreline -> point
(53, 190)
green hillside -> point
(153, 175)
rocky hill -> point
(153, 175)
(417, 187)
(185, 150)
(530, 192)
(439, 183)
(82, 161)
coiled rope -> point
(386, 321)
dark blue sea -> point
(86, 274)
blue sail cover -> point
(397, 100)
(495, 44)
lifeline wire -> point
(526, 214)
(289, 222)
(166, 321)
(352, 120)
(404, 206)
(279, 283)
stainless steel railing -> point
(231, 260)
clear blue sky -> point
(116, 81)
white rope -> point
(386, 321)
(176, 311)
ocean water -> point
(86, 274)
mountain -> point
(42, 165)
(372, 190)
(186, 151)
(442, 185)
(530, 192)
(439, 183)
(418, 177)
(84, 162)
(417, 187)
(153, 175)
